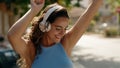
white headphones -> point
(44, 25)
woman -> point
(48, 44)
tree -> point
(78, 3)
(16, 5)
(115, 4)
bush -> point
(91, 26)
(111, 32)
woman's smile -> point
(58, 37)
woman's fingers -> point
(37, 5)
(38, 2)
(32, 2)
(42, 1)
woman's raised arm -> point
(16, 31)
(81, 24)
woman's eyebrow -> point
(60, 26)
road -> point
(96, 51)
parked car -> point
(8, 59)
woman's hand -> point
(37, 5)
(100, 1)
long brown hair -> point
(36, 34)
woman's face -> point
(58, 29)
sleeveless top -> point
(52, 57)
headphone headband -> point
(49, 12)
(44, 25)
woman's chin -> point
(57, 41)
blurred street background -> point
(96, 51)
(99, 47)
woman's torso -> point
(52, 57)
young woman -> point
(48, 44)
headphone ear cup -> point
(45, 27)
(42, 26)
(48, 28)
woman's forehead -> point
(63, 21)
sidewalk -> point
(95, 51)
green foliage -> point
(23, 4)
(91, 26)
(97, 17)
(67, 2)
(111, 32)
(113, 3)
(16, 5)
(77, 4)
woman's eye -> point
(67, 28)
(58, 28)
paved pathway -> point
(95, 51)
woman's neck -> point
(46, 41)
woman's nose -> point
(63, 32)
